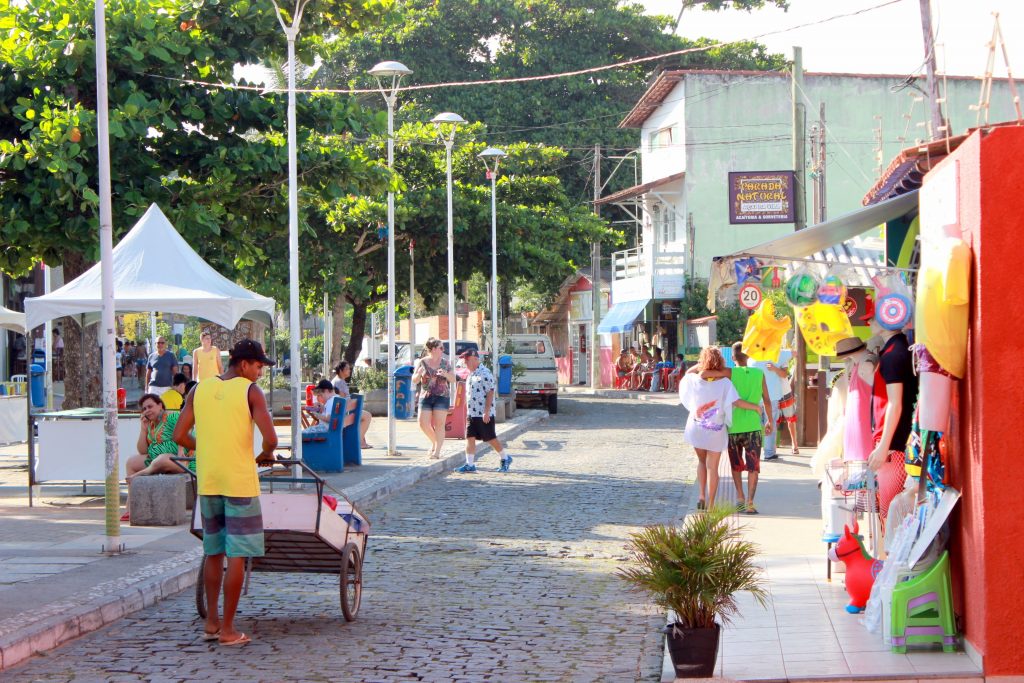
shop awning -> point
(622, 316)
(836, 231)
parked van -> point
(536, 355)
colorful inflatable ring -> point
(893, 311)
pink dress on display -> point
(857, 439)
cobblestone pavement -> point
(501, 577)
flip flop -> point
(751, 510)
(125, 518)
(211, 636)
(240, 640)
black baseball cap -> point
(247, 349)
(469, 353)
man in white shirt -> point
(480, 390)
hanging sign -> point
(750, 296)
(761, 197)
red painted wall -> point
(987, 545)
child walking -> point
(709, 403)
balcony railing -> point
(629, 263)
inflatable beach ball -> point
(832, 291)
(801, 289)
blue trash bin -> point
(39, 357)
(405, 396)
(38, 385)
(505, 375)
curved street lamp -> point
(447, 123)
(492, 156)
(394, 71)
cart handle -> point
(179, 459)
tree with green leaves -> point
(471, 40)
(213, 158)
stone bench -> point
(161, 499)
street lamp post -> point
(291, 33)
(447, 123)
(492, 156)
(382, 72)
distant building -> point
(697, 127)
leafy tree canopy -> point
(467, 40)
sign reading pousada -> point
(761, 197)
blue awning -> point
(622, 316)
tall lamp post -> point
(112, 485)
(291, 33)
(492, 156)
(382, 72)
(447, 123)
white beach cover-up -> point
(709, 403)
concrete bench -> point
(160, 500)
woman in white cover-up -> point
(709, 403)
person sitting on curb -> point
(155, 445)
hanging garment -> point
(943, 297)
(857, 438)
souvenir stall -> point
(13, 403)
(883, 398)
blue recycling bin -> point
(39, 356)
(405, 397)
(38, 385)
(505, 375)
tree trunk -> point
(82, 380)
(337, 330)
(355, 342)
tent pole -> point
(30, 436)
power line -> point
(542, 77)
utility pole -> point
(939, 126)
(595, 283)
(821, 201)
(799, 223)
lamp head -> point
(388, 69)
(447, 117)
(492, 156)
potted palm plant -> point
(695, 569)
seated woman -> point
(155, 445)
(321, 408)
(642, 370)
(677, 373)
(342, 372)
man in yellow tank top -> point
(223, 409)
(206, 359)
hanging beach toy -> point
(801, 288)
(771, 277)
(832, 290)
(894, 308)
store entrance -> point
(580, 334)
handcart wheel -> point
(201, 589)
(351, 581)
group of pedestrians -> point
(735, 410)
(435, 377)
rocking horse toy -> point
(861, 568)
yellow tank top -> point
(225, 462)
(206, 362)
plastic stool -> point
(922, 609)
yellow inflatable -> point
(822, 326)
(762, 340)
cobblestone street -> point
(502, 577)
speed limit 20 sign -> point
(750, 296)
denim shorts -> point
(434, 403)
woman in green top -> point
(155, 445)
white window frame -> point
(664, 224)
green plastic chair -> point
(922, 609)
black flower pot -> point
(693, 650)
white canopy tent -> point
(12, 320)
(154, 270)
